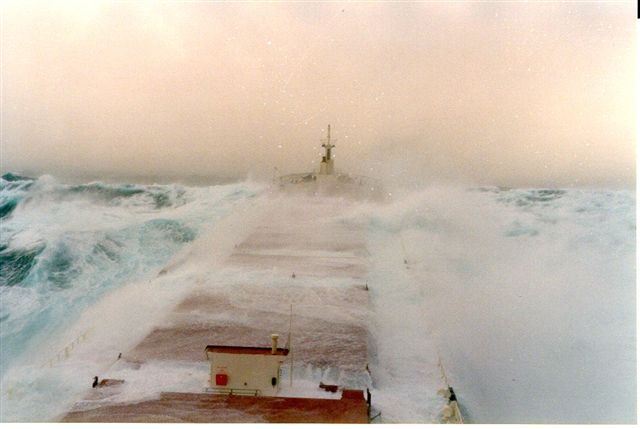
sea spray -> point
(528, 293)
(62, 246)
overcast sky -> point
(502, 93)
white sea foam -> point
(527, 295)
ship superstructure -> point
(328, 180)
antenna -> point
(289, 345)
(289, 335)
(326, 160)
(328, 145)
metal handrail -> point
(66, 352)
(230, 391)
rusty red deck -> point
(209, 408)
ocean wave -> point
(62, 246)
(12, 190)
(15, 264)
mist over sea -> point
(528, 294)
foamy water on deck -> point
(64, 248)
(528, 296)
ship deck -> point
(302, 265)
(206, 408)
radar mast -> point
(326, 166)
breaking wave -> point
(529, 296)
(62, 247)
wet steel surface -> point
(303, 257)
(207, 408)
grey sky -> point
(496, 93)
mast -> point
(326, 167)
(328, 146)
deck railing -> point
(230, 391)
(66, 352)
